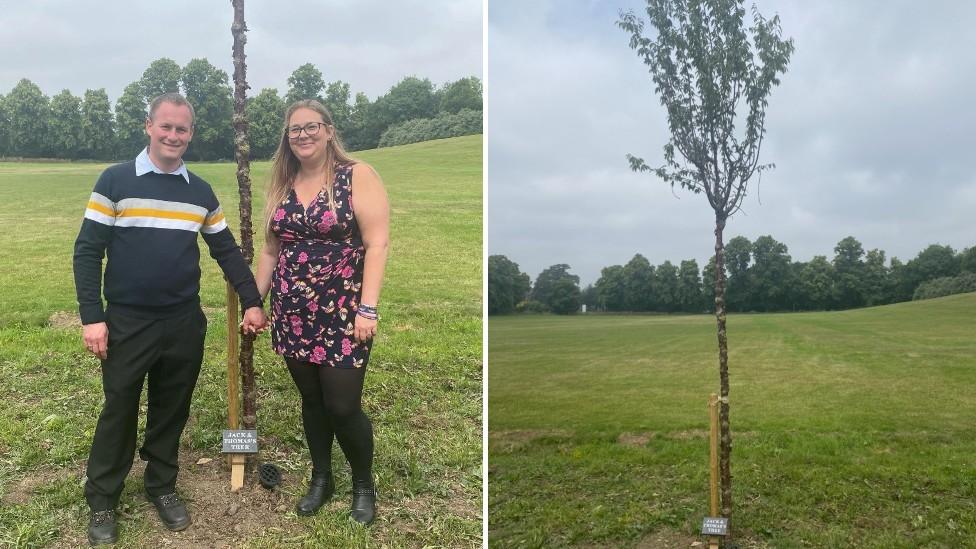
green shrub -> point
(947, 285)
(442, 126)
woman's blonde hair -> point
(285, 166)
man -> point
(145, 214)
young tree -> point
(714, 83)
(242, 154)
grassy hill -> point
(423, 390)
(850, 429)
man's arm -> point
(93, 238)
(224, 249)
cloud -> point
(369, 44)
(869, 132)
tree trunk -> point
(725, 432)
(242, 154)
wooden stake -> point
(713, 463)
(235, 461)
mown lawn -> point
(850, 429)
(423, 389)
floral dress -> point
(316, 285)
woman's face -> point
(308, 135)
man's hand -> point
(96, 339)
(255, 321)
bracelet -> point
(367, 316)
(369, 309)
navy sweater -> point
(147, 226)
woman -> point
(323, 264)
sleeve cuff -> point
(91, 314)
(250, 297)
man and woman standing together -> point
(322, 265)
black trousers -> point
(168, 352)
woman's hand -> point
(364, 329)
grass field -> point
(850, 429)
(423, 390)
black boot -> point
(320, 490)
(363, 502)
(102, 528)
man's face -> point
(169, 131)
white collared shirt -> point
(145, 165)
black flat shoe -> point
(363, 508)
(102, 529)
(172, 511)
(320, 490)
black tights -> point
(332, 407)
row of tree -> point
(761, 276)
(33, 125)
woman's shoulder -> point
(362, 171)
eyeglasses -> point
(310, 129)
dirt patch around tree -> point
(221, 518)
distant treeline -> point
(33, 125)
(761, 277)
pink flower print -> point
(328, 220)
(302, 257)
(347, 271)
(284, 287)
(341, 301)
(279, 214)
(313, 306)
(318, 354)
(346, 346)
(296, 329)
(294, 320)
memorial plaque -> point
(240, 441)
(715, 526)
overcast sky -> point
(871, 132)
(370, 44)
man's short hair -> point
(172, 98)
